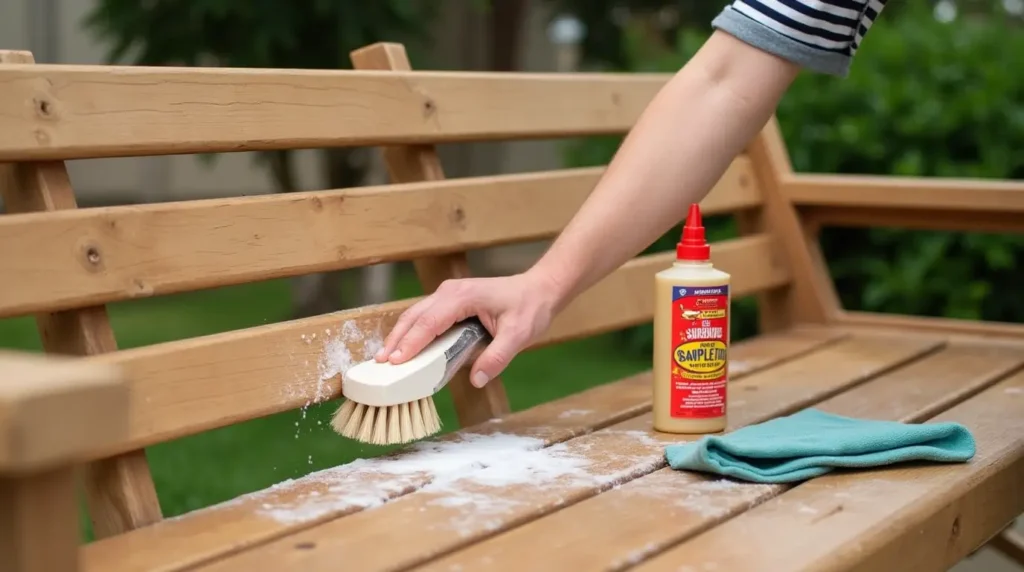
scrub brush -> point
(388, 404)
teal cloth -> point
(811, 443)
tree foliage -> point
(253, 33)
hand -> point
(514, 309)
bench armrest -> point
(57, 410)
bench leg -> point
(39, 522)
(1010, 543)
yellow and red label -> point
(700, 334)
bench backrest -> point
(63, 264)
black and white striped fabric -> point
(821, 35)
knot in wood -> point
(44, 108)
(92, 255)
(954, 531)
(458, 216)
(429, 107)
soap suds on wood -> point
(341, 348)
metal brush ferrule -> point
(474, 336)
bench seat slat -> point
(469, 510)
(660, 510)
(100, 255)
(178, 543)
(75, 112)
(924, 518)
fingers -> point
(405, 321)
(451, 303)
(496, 357)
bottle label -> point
(700, 334)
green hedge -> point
(922, 98)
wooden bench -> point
(600, 496)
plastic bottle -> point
(691, 337)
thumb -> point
(496, 357)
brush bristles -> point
(387, 425)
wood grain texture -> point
(626, 298)
(900, 518)
(947, 327)
(95, 256)
(609, 457)
(811, 298)
(79, 111)
(415, 163)
(961, 196)
(119, 490)
(187, 386)
(39, 522)
(179, 543)
(657, 511)
(56, 410)
(994, 221)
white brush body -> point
(384, 384)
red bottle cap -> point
(693, 245)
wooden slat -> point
(184, 542)
(39, 522)
(119, 490)
(949, 327)
(662, 509)
(187, 386)
(415, 163)
(56, 410)
(906, 518)
(73, 258)
(812, 297)
(77, 111)
(926, 193)
(626, 297)
(917, 219)
(467, 510)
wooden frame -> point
(54, 413)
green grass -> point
(217, 465)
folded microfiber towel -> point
(811, 443)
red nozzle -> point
(693, 245)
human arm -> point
(678, 149)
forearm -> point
(679, 148)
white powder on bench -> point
(496, 460)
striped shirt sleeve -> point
(820, 35)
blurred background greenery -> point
(936, 89)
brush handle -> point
(473, 336)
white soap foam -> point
(336, 357)
(342, 347)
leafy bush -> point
(923, 98)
